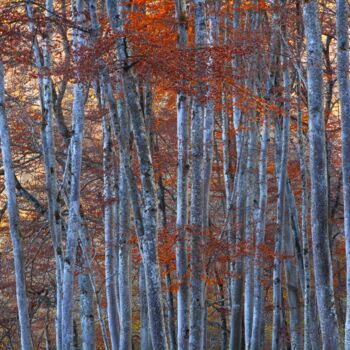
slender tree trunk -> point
(50, 171)
(145, 339)
(124, 259)
(311, 331)
(13, 215)
(181, 222)
(118, 114)
(110, 239)
(344, 92)
(226, 159)
(258, 320)
(48, 144)
(224, 333)
(250, 225)
(196, 302)
(169, 294)
(318, 172)
(208, 146)
(237, 283)
(282, 176)
(315, 341)
(74, 197)
(87, 318)
(293, 285)
(149, 209)
(256, 340)
(196, 217)
(85, 248)
(182, 194)
(236, 268)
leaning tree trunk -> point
(74, 197)
(13, 215)
(148, 241)
(48, 145)
(319, 188)
(344, 92)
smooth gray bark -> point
(48, 145)
(74, 196)
(145, 339)
(282, 177)
(344, 92)
(149, 208)
(304, 208)
(87, 319)
(293, 286)
(196, 280)
(170, 309)
(236, 267)
(319, 188)
(13, 216)
(181, 221)
(237, 303)
(250, 226)
(110, 239)
(258, 320)
(196, 216)
(260, 238)
(124, 275)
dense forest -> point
(174, 174)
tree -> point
(344, 93)
(319, 188)
(13, 215)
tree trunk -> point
(293, 285)
(182, 195)
(282, 176)
(110, 239)
(74, 197)
(250, 226)
(13, 216)
(196, 216)
(149, 209)
(124, 258)
(256, 341)
(344, 92)
(145, 339)
(87, 318)
(318, 172)
(48, 144)
(181, 222)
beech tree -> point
(166, 167)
